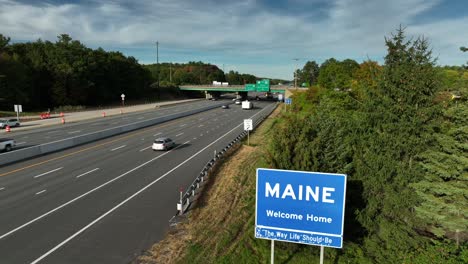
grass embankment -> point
(221, 228)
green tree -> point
(309, 73)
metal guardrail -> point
(189, 196)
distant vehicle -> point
(280, 97)
(13, 122)
(238, 102)
(7, 144)
(225, 106)
(247, 105)
(163, 143)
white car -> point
(163, 144)
(13, 122)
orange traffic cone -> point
(7, 129)
(103, 114)
(63, 120)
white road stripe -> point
(145, 148)
(45, 173)
(81, 175)
(43, 191)
(20, 143)
(131, 197)
(157, 134)
(53, 132)
(123, 146)
(2, 188)
(200, 125)
(93, 190)
(74, 132)
(183, 125)
(180, 134)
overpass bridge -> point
(262, 86)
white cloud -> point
(237, 29)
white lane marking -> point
(180, 134)
(200, 119)
(183, 125)
(157, 134)
(123, 146)
(85, 194)
(43, 191)
(133, 195)
(129, 198)
(53, 132)
(45, 173)
(2, 188)
(201, 135)
(81, 175)
(145, 148)
(194, 138)
(74, 132)
(20, 143)
(200, 125)
(97, 188)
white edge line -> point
(41, 192)
(135, 194)
(180, 134)
(157, 134)
(45, 173)
(81, 175)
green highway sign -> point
(263, 85)
(250, 87)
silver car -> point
(163, 143)
(13, 122)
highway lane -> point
(88, 184)
(37, 136)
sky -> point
(260, 37)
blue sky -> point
(258, 37)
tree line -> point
(43, 75)
(398, 130)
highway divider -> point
(33, 151)
(192, 192)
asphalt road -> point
(37, 136)
(108, 201)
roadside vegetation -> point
(398, 130)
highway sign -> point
(300, 207)
(248, 126)
(288, 101)
(19, 108)
(263, 85)
(250, 87)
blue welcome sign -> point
(301, 207)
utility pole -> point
(157, 60)
(295, 73)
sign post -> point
(123, 99)
(300, 207)
(248, 126)
(18, 109)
